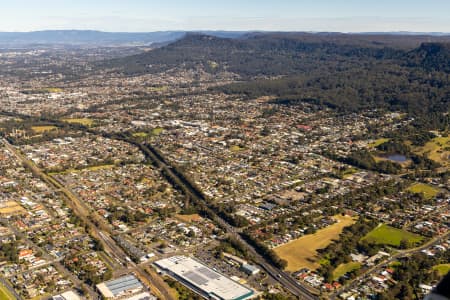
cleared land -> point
(349, 172)
(442, 269)
(189, 218)
(82, 121)
(377, 143)
(438, 149)
(302, 252)
(41, 129)
(93, 168)
(343, 269)
(387, 235)
(140, 134)
(53, 90)
(427, 191)
(10, 208)
(5, 294)
(157, 131)
(236, 148)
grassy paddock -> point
(82, 121)
(302, 252)
(140, 134)
(427, 190)
(442, 269)
(189, 218)
(377, 143)
(42, 129)
(157, 131)
(438, 149)
(53, 90)
(93, 168)
(5, 294)
(236, 148)
(387, 235)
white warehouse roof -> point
(203, 279)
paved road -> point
(50, 260)
(296, 288)
(287, 281)
(102, 233)
(350, 285)
(10, 288)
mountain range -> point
(275, 54)
(92, 37)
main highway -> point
(102, 231)
(286, 280)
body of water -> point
(397, 158)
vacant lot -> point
(10, 208)
(427, 191)
(41, 129)
(387, 235)
(302, 252)
(189, 218)
(82, 121)
(442, 269)
(343, 269)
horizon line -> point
(237, 31)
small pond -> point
(397, 158)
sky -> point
(273, 15)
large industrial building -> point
(120, 287)
(202, 279)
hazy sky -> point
(283, 15)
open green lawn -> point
(427, 190)
(343, 269)
(438, 149)
(378, 142)
(387, 235)
(5, 294)
(395, 264)
(140, 134)
(236, 148)
(41, 129)
(157, 131)
(82, 121)
(53, 90)
(442, 269)
(348, 172)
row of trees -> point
(338, 252)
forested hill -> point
(272, 54)
(431, 56)
(345, 72)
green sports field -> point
(387, 235)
